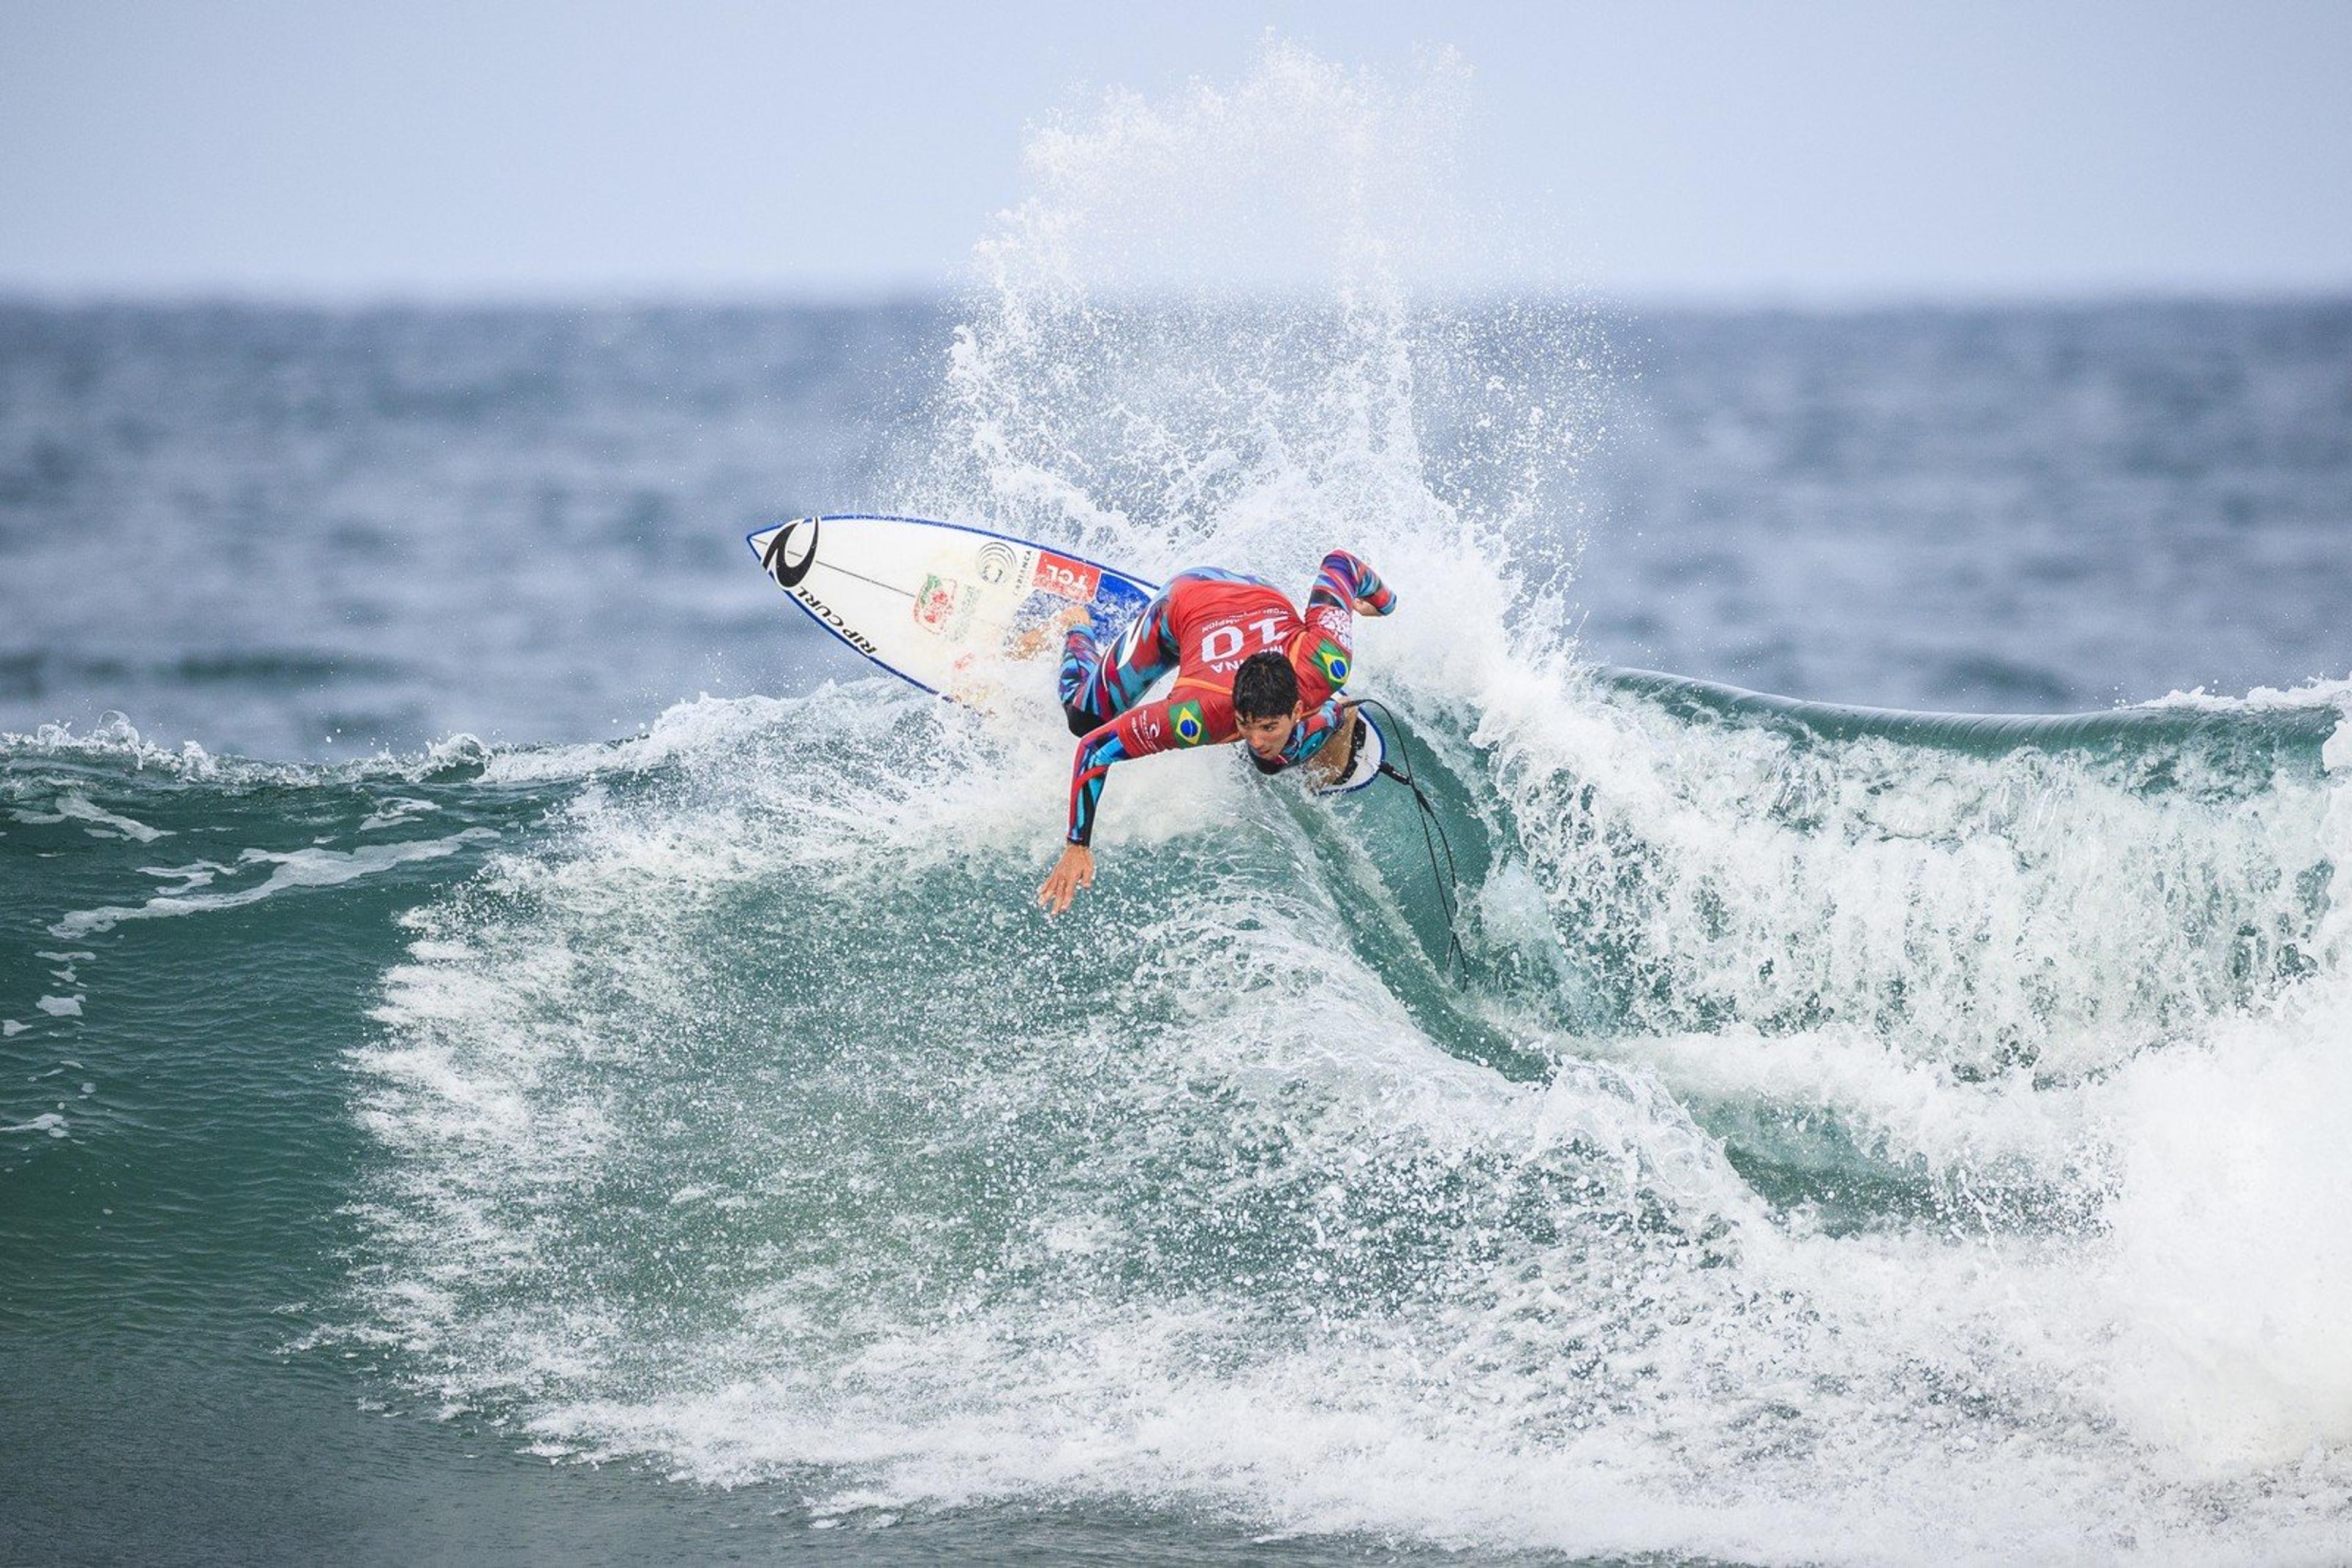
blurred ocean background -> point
(305, 533)
(514, 1048)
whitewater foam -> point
(72, 805)
(49, 1121)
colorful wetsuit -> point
(1202, 625)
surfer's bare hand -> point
(1073, 870)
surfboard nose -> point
(786, 554)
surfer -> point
(1248, 667)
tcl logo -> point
(1070, 579)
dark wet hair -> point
(1264, 687)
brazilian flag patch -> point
(1332, 662)
(1186, 721)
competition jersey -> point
(1203, 626)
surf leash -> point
(1450, 881)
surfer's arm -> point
(1075, 869)
(1317, 729)
(1097, 751)
(1138, 733)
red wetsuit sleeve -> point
(1313, 730)
(1171, 724)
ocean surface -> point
(515, 1048)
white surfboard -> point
(961, 612)
(956, 610)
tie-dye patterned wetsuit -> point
(1202, 625)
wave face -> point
(1850, 1135)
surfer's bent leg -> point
(1097, 683)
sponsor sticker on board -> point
(935, 604)
(1070, 579)
(998, 561)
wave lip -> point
(2288, 722)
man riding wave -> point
(1248, 667)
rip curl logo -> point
(1333, 662)
(781, 566)
(840, 628)
(1191, 728)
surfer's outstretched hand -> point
(1073, 870)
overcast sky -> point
(597, 147)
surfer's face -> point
(1266, 736)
